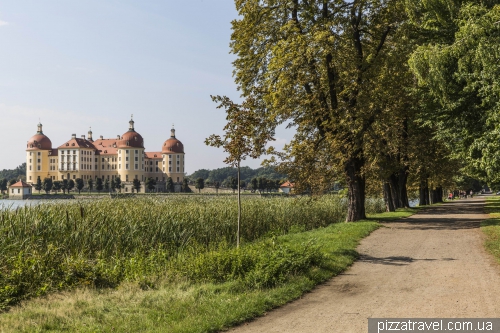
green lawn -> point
(491, 227)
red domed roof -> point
(39, 141)
(131, 139)
(172, 145)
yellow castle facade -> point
(124, 157)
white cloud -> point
(3, 23)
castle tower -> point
(39, 159)
(173, 158)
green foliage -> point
(79, 184)
(98, 184)
(118, 183)
(179, 306)
(47, 185)
(200, 184)
(56, 246)
(150, 184)
(262, 265)
(17, 173)
(185, 186)
(457, 77)
(247, 173)
(57, 186)
(38, 185)
(170, 185)
(90, 184)
(71, 185)
(136, 184)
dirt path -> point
(431, 265)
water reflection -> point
(13, 204)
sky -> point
(80, 64)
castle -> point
(124, 157)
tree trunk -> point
(356, 190)
(389, 204)
(239, 208)
(423, 194)
(395, 192)
(403, 194)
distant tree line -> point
(223, 175)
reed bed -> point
(54, 246)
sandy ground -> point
(430, 265)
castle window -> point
(38, 168)
(74, 151)
(178, 169)
(126, 166)
(38, 160)
(126, 178)
(136, 158)
(67, 144)
(137, 152)
(170, 169)
(39, 154)
(136, 166)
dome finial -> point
(172, 132)
(39, 131)
(90, 134)
(131, 123)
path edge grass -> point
(491, 227)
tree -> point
(71, 185)
(185, 186)
(38, 185)
(106, 185)
(3, 185)
(316, 65)
(118, 184)
(98, 184)
(113, 185)
(90, 184)
(170, 185)
(217, 186)
(200, 184)
(233, 183)
(56, 186)
(261, 184)
(47, 185)
(243, 184)
(457, 77)
(136, 183)
(255, 185)
(12, 182)
(79, 184)
(64, 186)
(240, 140)
(150, 184)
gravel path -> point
(430, 265)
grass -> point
(491, 227)
(184, 306)
(62, 245)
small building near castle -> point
(19, 190)
(123, 156)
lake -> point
(13, 204)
